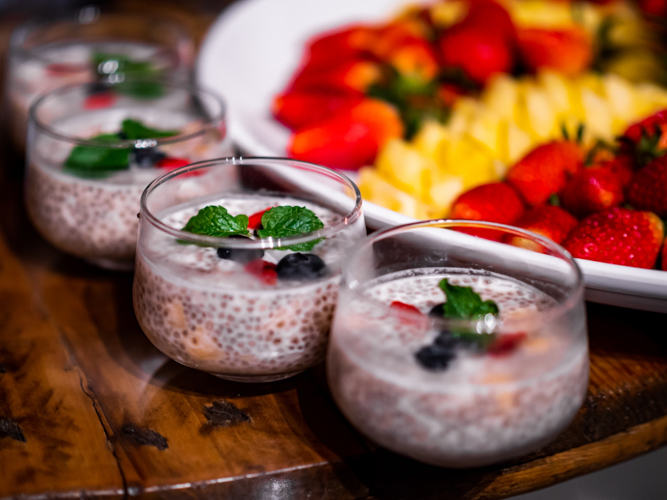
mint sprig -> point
(214, 220)
(464, 303)
(135, 130)
(96, 161)
(120, 64)
(284, 221)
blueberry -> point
(301, 266)
(241, 255)
(446, 340)
(437, 311)
(148, 157)
(435, 357)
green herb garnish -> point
(135, 130)
(214, 220)
(285, 221)
(128, 70)
(96, 161)
(464, 303)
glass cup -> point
(109, 47)
(229, 306)
(86, 167)
(451, 391)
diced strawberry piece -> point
(62, 69)
(407, 314)
(255, 220)
(350, 139)
(170, 163)
(505, 344)
(265, 271)
(300, 109)
(568, 51)
(101, 100)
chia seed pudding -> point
(46, 56)
(93, 214)
(218, 314)
(426, 387)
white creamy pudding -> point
(89, 209)
(436, 396)
(251, 315)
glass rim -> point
(263, 243)
(448, 323)
(19, 35)
(193, 90)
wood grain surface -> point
(89, 408)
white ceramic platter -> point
(253, 48)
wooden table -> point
(88, 407)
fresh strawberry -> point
(491, 16)
(299, 109)
(646, 139)
(255, 220)
(568, 51)
(549, 221)
(353, 75)
(591, 190)
(265, 271)
(496, 202)
(648, 188)
(657, 8)
(479, 53)
(618, 236)
(506, 344)
(99, 100)
(663, 257)
(349, 140)
(395, 35)
(621, 167)
(544, 170)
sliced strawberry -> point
(300, 109)
(350, 139)
(255, 220)
(591, 190)
(407, 314)
(568, 51)
(618, 236)
(496, 202)
(354, 75)
(549, 221)
(544, 171)
(479, 53)
(265, 271)
(100, 100)
(505, 344)
(170, 163)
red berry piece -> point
(591, 190)
(170, 163)
(255, 220)
(265, 271)
(62, 69)
(506, 344)
(100, 101)
(648, 188)
(407, 314)
(547, 220)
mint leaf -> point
(120, 64)
(214, 220)
(285, 221)
(97, 161)
(463, 303)
(135, 130)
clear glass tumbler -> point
(421, 362)
(90, 46)
(87, 167)
(250, 307)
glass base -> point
(257, 378)
(113, 265)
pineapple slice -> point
(562, 94)
(431, 139)
(442, 194)
(540, 115)
(622, 101)
(470, 160)
(597, 115)
(377, 189)
(464, 112)
(406, 167)
(518, 143)
(485, 128)
(502, 96)
(541, 14)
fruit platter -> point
(551, 118)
